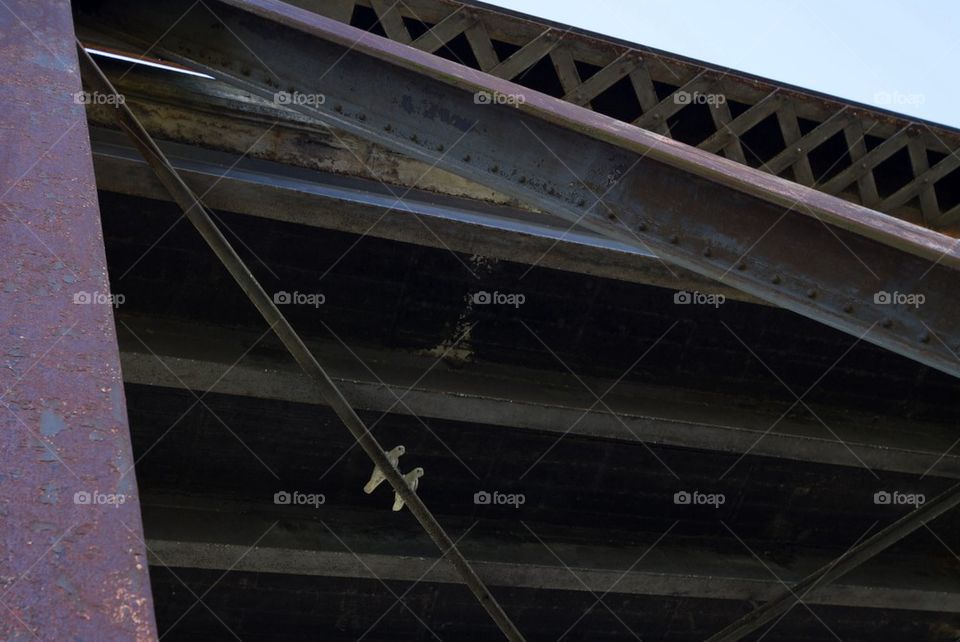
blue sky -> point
(899, 55)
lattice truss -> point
(903, 168)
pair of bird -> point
(412, 479)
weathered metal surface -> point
(201, 219)
(919, 193)
(279, 192)
(794, 247)
(72, 559)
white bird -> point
(377, 476)
(413, 480)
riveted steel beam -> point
(365, 207)
(846, 266)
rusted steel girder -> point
(827, 259)
(73, 563)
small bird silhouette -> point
(413, 480)
(377, 476)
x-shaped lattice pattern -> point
(890, 164)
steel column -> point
(73, 563)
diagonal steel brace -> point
(201, 219)
(840, 566)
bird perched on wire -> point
(413, 480)
(377, 476)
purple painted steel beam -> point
(72, 558)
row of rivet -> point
(674, 239)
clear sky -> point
(901, 55)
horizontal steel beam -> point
(514, 397)
(194, 537)
(794, 247)
(278, 192)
